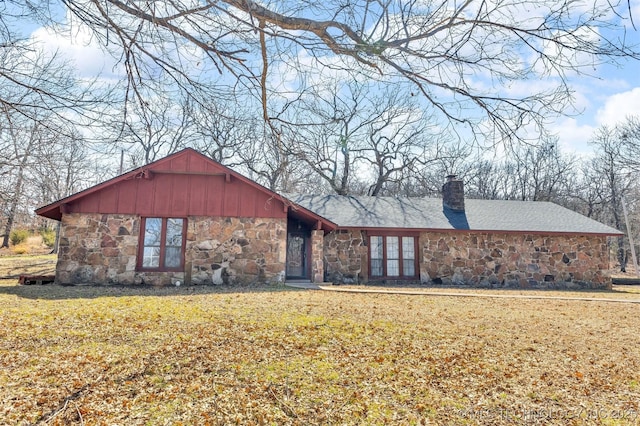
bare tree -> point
(538, 173)
(223, 132)
(358, 140)
(629, 131)
(152, 130)
(261, 158)
(20, 140)
(37, 83)
(401, 141)
(440, 46)
(487, 179)
(17, 140)
(454, 157)
(609, 166)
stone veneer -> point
(236, 250)
(515, 260)
(345, 257)
(102, 249)
(97, 248)
(483, 259)
(317, 256)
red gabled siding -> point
(127, 205)
(145, 194)
(214, 197)
(198, 195)
(187, 185)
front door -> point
(296, 255)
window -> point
(162, 244)
(392, 256)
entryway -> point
(298, 237)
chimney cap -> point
(451, 177)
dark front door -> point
(296, 255)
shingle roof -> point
(428, 213)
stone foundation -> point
(515, 260)
(102, 249)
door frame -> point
(296, 228)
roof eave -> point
(403, 229)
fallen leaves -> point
(204, 356)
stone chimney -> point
(453, 193)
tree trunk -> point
(17, 193)
(13, 206)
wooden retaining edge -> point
(36, 279)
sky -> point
(607, 99)
(611, 95)
(608, 96)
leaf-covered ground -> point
(89, 355)
(129, 357)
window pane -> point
(408, 248)
(151, 257)
(392, 248)
(172, 257)
(408, 268)
(393, 267)
(376, 267)
(376, 256)
(393, 254)
(152, 229)
(376, 247)
(174, 232)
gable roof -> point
(428, 214)
(184, 171)
(331, 211)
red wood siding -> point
(187, 185)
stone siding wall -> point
(102, 249)
(317, 256)
(345, 257)
(98, 249)
(514, 260)
(236, 250)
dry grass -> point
(620, 292)
(12, 266)
(33, 246)
(277, 356)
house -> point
(188, 219)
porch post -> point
(317, 256)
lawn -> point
(201, 355)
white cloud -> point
(573, 136)
(619, 106)
(78, 48)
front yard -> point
(200, 355)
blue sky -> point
(605, 98)
(611, 95)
